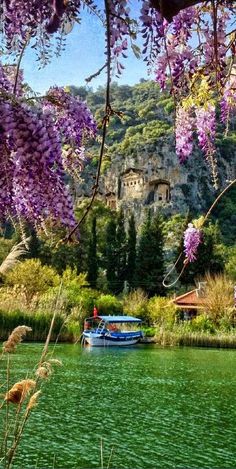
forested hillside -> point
(143, 117)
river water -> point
(143, 407)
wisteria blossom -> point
(184, 133)
(32, 172)
(228, 102)
(192, 239)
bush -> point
(162, 312)
(202, 324)
(70, 278)
(108, 304)
(135, 304)
(219, 301)
(32, 277)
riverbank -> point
(70, 332)
(194, 339)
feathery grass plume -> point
(15, 338)
(33, 402)
(19, 391)
(45, 369)
(43, 372)
(55, 361)
(12, 258)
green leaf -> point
(136, 50)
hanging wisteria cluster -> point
(194, 55)
(32, 174)
(73, 121)
(192, 239)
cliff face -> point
(154, 179)
(144, 171)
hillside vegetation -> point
(147, 115)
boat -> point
(111, 330)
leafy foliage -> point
(150, 256)
(92, 261)
(32, 277)
(219, 303)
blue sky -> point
(83, 56)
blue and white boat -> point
(111, 330)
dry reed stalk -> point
(15, 338)
(28, 385)
(110, 457)
(101, 453)
(6, 423)
(45, 349)
(19, 391)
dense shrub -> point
(162, 312)
(108, 304)
(32, 277)
(219, 301)
(135, 304)
(202, 323)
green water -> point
(152, 407)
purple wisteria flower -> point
(192, 239)
(206, 128)
(228, 103)
(184, 134)
(32, 164)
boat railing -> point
(101, 326)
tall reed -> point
(23, 395)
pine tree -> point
(34, 245)
(131, 252)
(111, 256)
(150, 257)
(209, 260)
(92, 262)
(121, 252)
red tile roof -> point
(190, 300)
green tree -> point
(131, 252)
(150, 257)
(110, 256)
(34, 245)
(92, 262)
(121, 250)
(32, 277)
(209, 259)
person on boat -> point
(95, 311)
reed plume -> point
(33, 402)
(15, 338)
(45, 369)
(19, 391)
(12, 258)
(43, 372)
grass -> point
(182, 337)
(39, 322)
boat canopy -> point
(117, 319)
(120, 319)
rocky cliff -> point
(143, 171)
(154, 179)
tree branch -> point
(170, 8)
(105, 121)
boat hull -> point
(103, 340)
